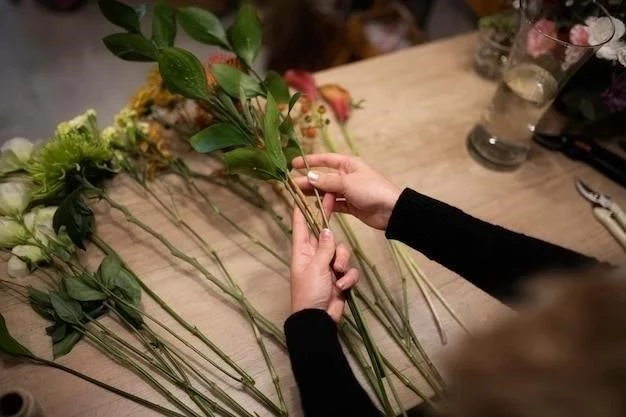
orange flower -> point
(220, 58)
(339, 100)
(302, 81)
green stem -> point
(268, 326)
(348, 138)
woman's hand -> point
(368, 195)
(313, 282)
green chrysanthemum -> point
(76, 150)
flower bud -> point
(11, 233)
(339, 100)
(14, 198)
(302, 81)
(23, 256)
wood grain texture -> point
(420, 105)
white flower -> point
(11, 233)
(600, 29)
(39, 223)
(14, 198)
(23, 255)
(21, 147)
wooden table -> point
(420, 104)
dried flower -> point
(220, 58)
(153, 93)
(302, 81)
(23, 256)
(339, 100)
(11, 233)
(600, 28)
(14, 198)
(538, 40)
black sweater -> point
(494, 259)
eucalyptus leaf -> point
(202, 26)
(65, 345)
(79, 290)
(163, 24)
(76, 217)
(245, 34)
(183, 73)
(10, 346)
(131, 47)
(67, 310)
(232, 80)
(252, 162)
(277, 86)
(217, 136)
(271, 131)
(121, 15)
(108, 270)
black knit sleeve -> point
(493, 258)
(327, 386)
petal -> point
(17, 268)
(302, 81)
(339, 100)
(22, 147)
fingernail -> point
(313, 176)
(341, 285)
(325, 234)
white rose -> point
(600, 29)
(11, 233)
(39, 223)
(621, 54)
(23, 255)
(14, 198)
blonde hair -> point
(562, 356)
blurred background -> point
(53, 63)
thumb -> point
(327, 182)
(325, 248)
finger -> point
(300, 231)
(349, 280)
(327, 182)
(342, 259)
(325, 249)
(328, 205)
(327, 160)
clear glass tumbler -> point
(555, 38)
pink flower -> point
(302, 81)
(538, 41)
(339, 100)
(579, 35)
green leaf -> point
(294, 99)
(131, 47)
(59, 250)
(232, 80)
(8, 345)
(69, 311)
(271, 131)
(76, 217)
(252, 162)
(277, 86)
(65, 345)
(217, 136)
(128, 287)
(57, 331)
(38, 297)
(163, 24)
(183, 73)
(245, 35)
(108, 270)
(79, 290)
(46, 313)
(202, 26)
(120, 15)
(293, 149)
(132, 316)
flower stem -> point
(348, 138)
